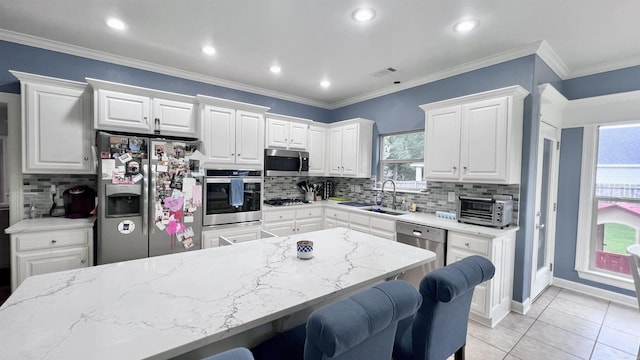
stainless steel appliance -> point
(496, 211)
(218, 197)
(286, 162)
(149, 197)
(424, 237)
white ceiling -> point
(316, 39)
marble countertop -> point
(165, 306)
(412, 217)
(49, 223)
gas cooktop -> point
(285, 202)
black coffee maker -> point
(79, 202)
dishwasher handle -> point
(417, 233)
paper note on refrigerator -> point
(197, 195)
(108, 166)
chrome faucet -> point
(393, 206)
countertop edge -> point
(51, 223)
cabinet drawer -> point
(51, 239)
(273, 216)
(359, 219)
(309, 213)
(336, 214)
(383, 224)
(469, 243)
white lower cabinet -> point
(292, 221)
(234, 233)
(46, 251)
(335, 218)
(492, 299)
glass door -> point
(546, 193)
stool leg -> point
(460, 353)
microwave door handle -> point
(145, 199)
(300, 162)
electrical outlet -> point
(451, 196)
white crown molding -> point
(610, 66)
(143, 65)
(551, 58)
(516, 53)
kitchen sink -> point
(386, 211)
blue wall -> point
(400, 112)
(55, 64)
(570, 166)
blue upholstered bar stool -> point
(439, 328)
(233, 354)
(361, 327)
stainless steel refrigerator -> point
(149, 197)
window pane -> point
(403, 146)
(405, 175)
(617, 196)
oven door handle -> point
(228, 181)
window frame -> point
(381, 162)
(587, 217)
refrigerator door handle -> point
(152, 179)
(145, 200)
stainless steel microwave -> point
(496, 211)
(285, 162)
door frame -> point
(546, 131)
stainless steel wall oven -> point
(218, 208)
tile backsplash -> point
(36, 189)
(433, 200)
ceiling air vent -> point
(384, 72)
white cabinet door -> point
(120, 111)
(350, 150)
(298, 136)
(307, 225)
(57, 129)
(36, 263)
(317, 149)
(175, 117)
(484, 140)
(277, 133)
(442, 144)
(335, 151)
(219, 135)
(249, 138)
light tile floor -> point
(561, 324)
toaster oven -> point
(496, 211)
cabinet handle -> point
(54, 241)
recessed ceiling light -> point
(363, 14)
(275, 69)
(115, 23)
(325, 83)
(209, 50)
(466, 25)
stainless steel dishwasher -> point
(425, 237)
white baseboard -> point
(521, 307)
(596, 292)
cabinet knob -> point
(232, 154)
(238, 154)
(285, 140)
(280, 216)
(54, 241)
(86, 158)
(464, 168)
(466, 244)
(83, 261)
(455, 168)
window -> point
(609, 219)
(402, 159)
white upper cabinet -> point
(285, 132)
(232, 133)
(56, 126)
(475, 138)
(349, 148)
(317, 150)
(122, 107)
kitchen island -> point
(165, 306)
